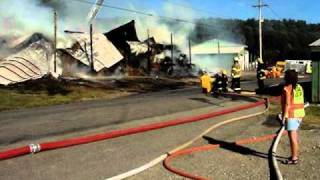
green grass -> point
(310, 121)
(13, 99)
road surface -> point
(108, 158)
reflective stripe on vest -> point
(296, 108)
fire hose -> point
(36, 148)
(274, 147)
(275, 172)
(206, 148)
(171, 154)
(275, 169)
(183, 146)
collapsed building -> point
(31, 62)
(116, 51)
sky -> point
(278, 9)
(25, 16)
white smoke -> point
(161, 28)
(213, 63)
(23, 17)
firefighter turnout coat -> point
(206, 82)
(236, 71)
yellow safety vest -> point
(296, 107)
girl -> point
(292, 102)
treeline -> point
(283, 39)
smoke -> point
(162, 28)
(225, 29)
(213, 63)
(59, 5)
(25, 17)
(158, 25)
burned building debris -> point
(31, 62)
(118, 50)
(121, 35)
(105, 54)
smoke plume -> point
(25, 17)
(59, 5)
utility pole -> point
(190, 55)
(91, 49)
(171, 37)
(149, 53)
(55, 41)
(260, 6)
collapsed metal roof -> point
(105, 54)
(30, 63)
(121, 35)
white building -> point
(215, 54)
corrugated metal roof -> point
(30, 63)
(105, 54)
(316, 43)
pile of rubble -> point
(117, 51)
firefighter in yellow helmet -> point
(236, 75)
(206, 82)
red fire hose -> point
(166, 162)
(34, 148)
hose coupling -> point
(34, 148)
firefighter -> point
(261, 75)
(236, 75)
(224, 79)
(292, 101)
(217, 83)
(206, 83)
(309, 68)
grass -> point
(50, 91)
(310, 121)
(13, 99)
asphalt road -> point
(32, 124)
(36, 123)
(104, 159)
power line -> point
(274, 12)
(145, 13)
